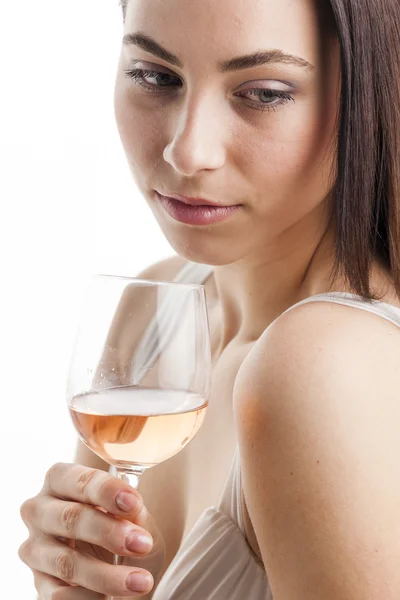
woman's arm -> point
(318, 415)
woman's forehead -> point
(217, 30)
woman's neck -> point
(252, 293)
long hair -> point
(367, 186)
(366, 190)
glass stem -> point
(132, 477)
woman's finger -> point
(95, 487)
(71, 566)
(83, 522)
(49, 587)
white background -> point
(69, 208)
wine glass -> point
(140, 372)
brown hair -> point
(366, 188)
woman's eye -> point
(140, 77)
(269, 99)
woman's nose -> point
(198, 140)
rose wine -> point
(132, 426)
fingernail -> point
(127, 502)
(139, 582)
(139, 542)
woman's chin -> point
(203, 254)
(204, 245)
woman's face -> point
(257, 136)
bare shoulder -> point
(318, 414)
(324, 340)
(325, 359)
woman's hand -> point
(77, 522)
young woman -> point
(265, 137)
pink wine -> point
(131, 426)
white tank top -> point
(215, 562)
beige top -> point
(215, 561)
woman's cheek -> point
(281, 153)
(140, 129)
(303, 142)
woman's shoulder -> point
(317, 351)
(336, 323)
(329, 338)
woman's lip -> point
(196, 215)
(191, 201)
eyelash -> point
(138, 76)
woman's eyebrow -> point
(148, 44)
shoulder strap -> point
(386, 311)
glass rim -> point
(149, 281)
